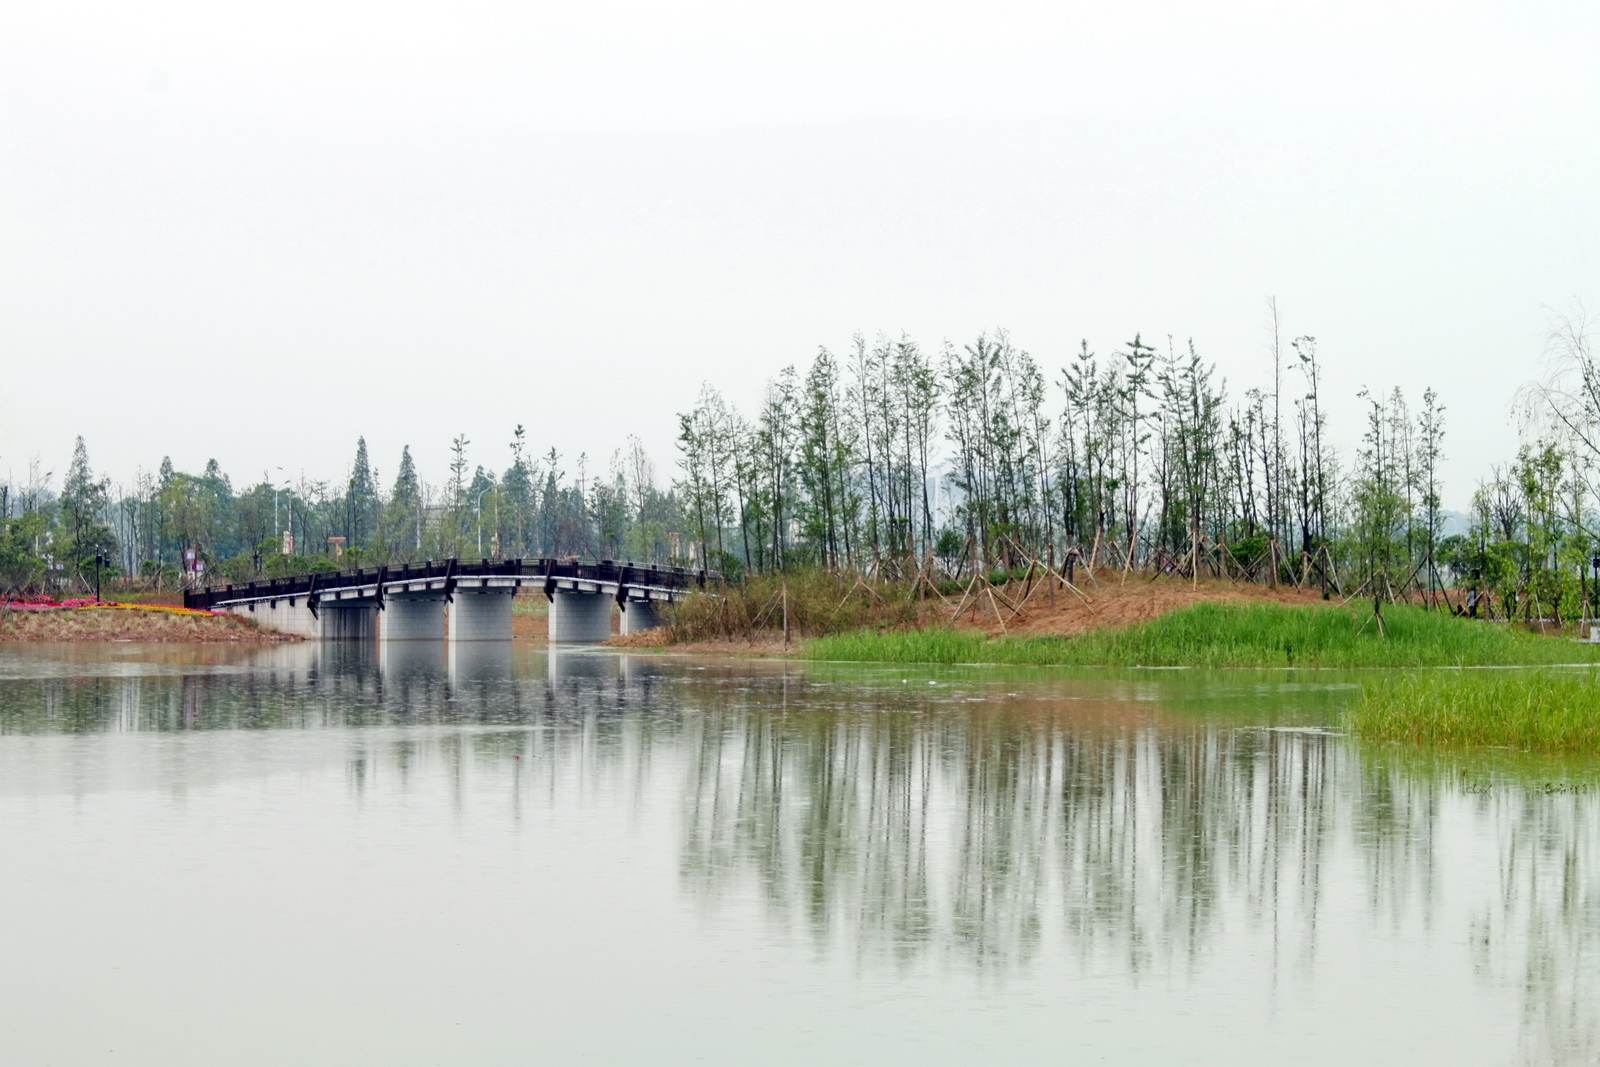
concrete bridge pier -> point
(284, 616)
(580, 617)
(356, 622)
(639, 616)
(412, 619)
(481, 616)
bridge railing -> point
(603, 571)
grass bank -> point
(1229, 634)
(1551, 711)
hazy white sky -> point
(254, 232)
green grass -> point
(1230, 635)
(1551, 711)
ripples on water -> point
(492, 853)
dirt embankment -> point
(108, 624)
(1020, 611)
(530, 616)
(1115, 602)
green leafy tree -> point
(84, 532)
(363, 509)
(22, 564)
(1380, 514)
(403, 515)
(518, 499)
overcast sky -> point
(255, 231)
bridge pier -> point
(412, 619)
(282, 616)
(639, 616)
(484, 616)
(580, 617)
(357, 622)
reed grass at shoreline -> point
(1552, 711)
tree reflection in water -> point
(905, 828)
(974, 829)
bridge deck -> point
(622, 580)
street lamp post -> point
(477, 511)
(277, 526)
(1596, 565)
(34, 506)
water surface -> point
(511, 854)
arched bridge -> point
(410, 602)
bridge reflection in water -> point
(1116, 828)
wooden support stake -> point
(997, 618)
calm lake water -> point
(498, 854)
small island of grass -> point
(1552, 711)
(1544, 710)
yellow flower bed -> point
(170, 609)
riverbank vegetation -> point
(937, 467)
(1230, 634)
(1549, 710)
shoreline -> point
(753, 648)
(1047, 628)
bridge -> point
(410, 602)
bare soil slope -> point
(146, 626)
(1115, 601)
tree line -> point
(171, 527)
(980, 454)
(895, 459)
